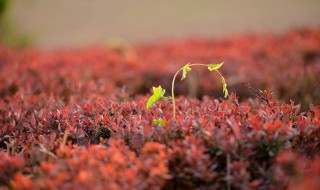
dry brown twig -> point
(259, 94)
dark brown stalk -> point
(260, 96)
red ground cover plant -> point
(66, 122)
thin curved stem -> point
(219, 73)
(206, 65)
(172, 93)
(172, 86)
(198, 64)
(174, 79)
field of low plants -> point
(106, 117)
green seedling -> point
(158, 92)
(159, 122)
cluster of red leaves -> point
(66, 124)
(210, 144)
(98, 167)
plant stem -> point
(260, 96)
(174, 79)
(172, 93)
(219, 73)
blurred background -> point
(48, 24)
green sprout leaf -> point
(158, 93)
(159, 122)
(224, 87)
(213, 67)
(185, 70)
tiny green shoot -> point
(158, 92)
(159, 122)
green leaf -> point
(213, 67)
(157, 94)
(159, 122)
(224, 87)
(185, 70)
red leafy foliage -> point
(67, 123)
